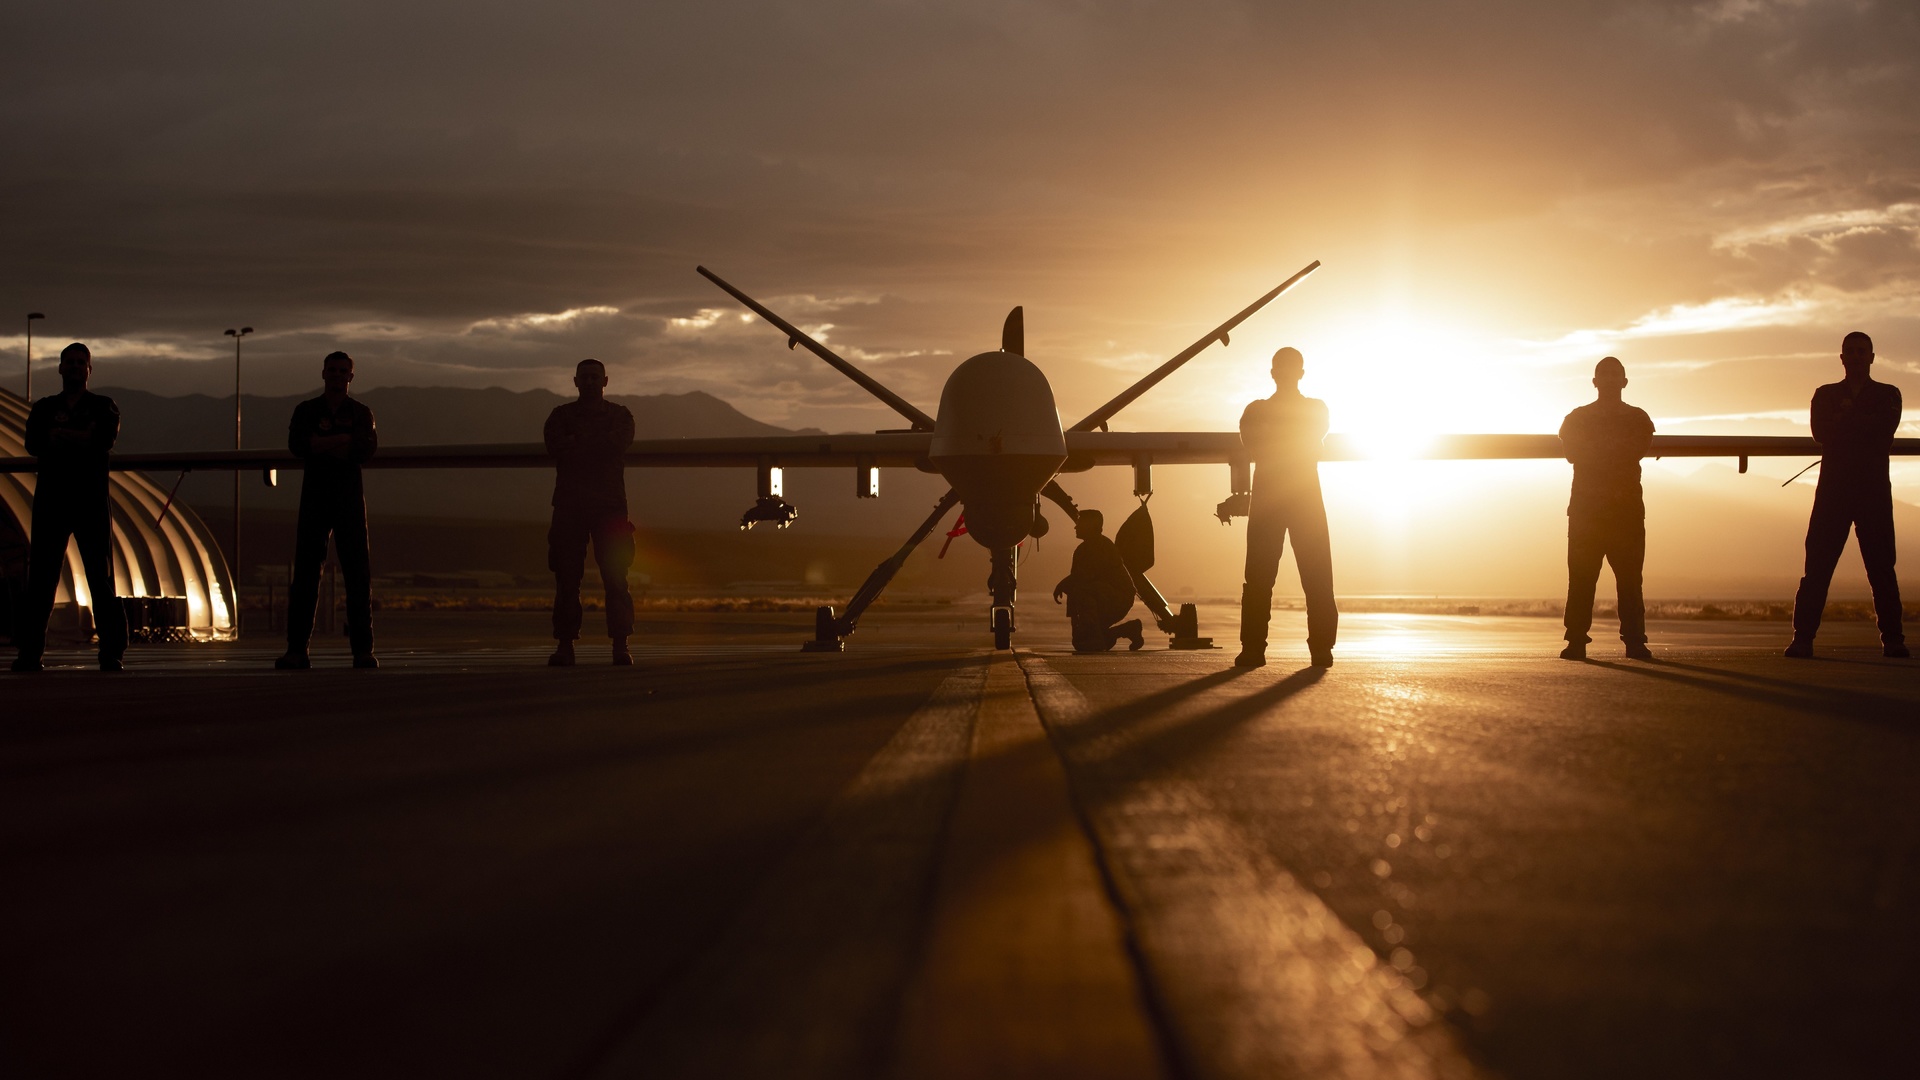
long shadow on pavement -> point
(1184, 738)
(1839, 704)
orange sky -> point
(482, 194)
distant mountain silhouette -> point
(695, 499)
(419, 415)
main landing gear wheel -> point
(1002, 628)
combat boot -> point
(1256, 607)
(562, 655)
(1134, 633)
(622, 656)
(362, 643)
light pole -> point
(236, 335)
(31, 315)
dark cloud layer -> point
(415, 180)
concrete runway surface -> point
(1453, 854)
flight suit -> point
(1855, 430)
(70, 500)
(1606, 515)
(1282, 436)
(588, 441)
(332, 502)
(1099, 594)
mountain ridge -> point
(416, 415)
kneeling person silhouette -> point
(1098, 590)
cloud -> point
(486, 193)
(1824, 227)
(540, 321)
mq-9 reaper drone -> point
(999, 443)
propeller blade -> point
(1098, 418)
(795, 336)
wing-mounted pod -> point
(1239, 500)
(769, 508)
(1134, 539)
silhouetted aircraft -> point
(998, 441)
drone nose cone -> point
(998, 441)
(997, 403)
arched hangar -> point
(168, 570)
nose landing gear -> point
(1003, 583)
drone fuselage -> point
(998, 440)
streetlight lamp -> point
(236, 335)
(31, 315)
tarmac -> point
(1451, 855)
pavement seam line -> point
(804, 978)
(1152, 1003)
(1025, 970)
(1259, 977)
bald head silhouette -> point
(1610, 377)
(1288, 367)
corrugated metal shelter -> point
(177, 557)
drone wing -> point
(894, 450)
(891, 450)
(1086, 449)
(1097, 419)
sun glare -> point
(1393, 381)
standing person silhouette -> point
(1854, 421)
(588, 439)
(333, 434)
(1099, 591)
(1282, 436)
(71, 433)
(1606, 516)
